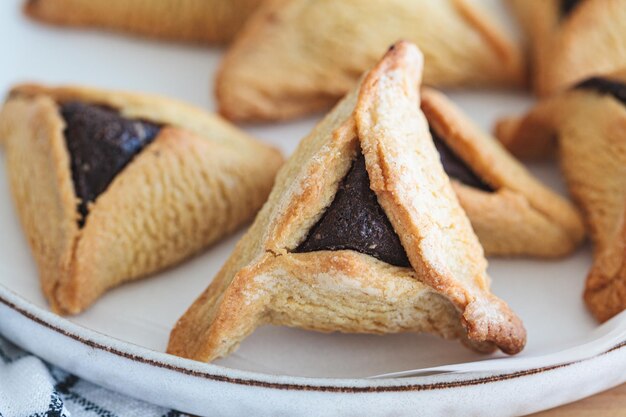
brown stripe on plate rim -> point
(286, 386)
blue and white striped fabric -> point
(30, 387)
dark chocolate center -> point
(568, 6)
(455, 167)
(614, 88)
(101, 143)
(356, 221)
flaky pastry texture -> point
(586, 129)
(295, 57)
(197, 181)
(444, 291)
(567, 46)
(519, 216)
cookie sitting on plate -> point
(362, 233)
(512, 212)
(571, 40)
(113, 186)
(295, 57)
(586, 127)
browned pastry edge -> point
(591, 40)
(588, 131)
(522, 216)
(196, 182)
(485, 317)
(294, 81)
(605, 290)
(264, 282)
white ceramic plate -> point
(119, 342)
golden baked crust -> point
(206, 21)
(590, 40)
(521, 216)
(295, 57)
(605, 291)
(197, 181)
(446, 289)
(588, 131)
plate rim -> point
(223, 374)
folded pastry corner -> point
(206, 21)
(586, 125)
(605, 291)
(361, 233)
(571, 40)
(294, 57)
(510, 210)
(113, 186)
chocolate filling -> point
(356, 221)
(455, 167)
(100, 143)
(568, 6)
(614, 88)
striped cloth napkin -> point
(30, 387)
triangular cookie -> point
(295, 57)
(206, 21)
(511, 211)
(318, 259)
(114, 186)
(571, 40)
(587, 127)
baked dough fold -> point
(572, 40)
(518, 215)
(198, 180)
(294, 57)
(586, 127)
(444, 291)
